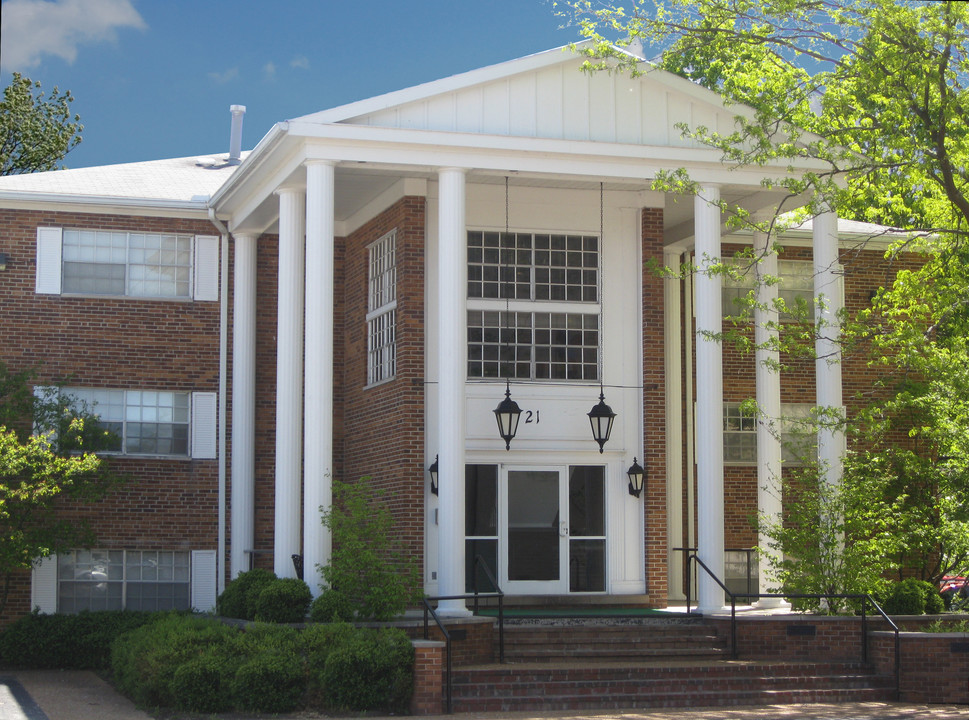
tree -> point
(39, 471)
(876, 92)
(36, 132)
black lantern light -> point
(637, 477)
(601, 417)
(432, 471)
(507, 414)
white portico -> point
(555, 156)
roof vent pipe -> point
(235, 138)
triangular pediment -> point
(547, 95)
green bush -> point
(373, 671)
(913, 597)
(204, 684)
(331, 606)
(144, 661)
(283, 600)
(78, 642)
(270, 683)
(239, 597)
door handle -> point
(563, 529)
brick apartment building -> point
(342, 302)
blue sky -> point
(155, 78)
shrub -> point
(373, 671)
(80, 642)
(238, 598)
(331, 606)
(283, 600)
(203, 684)
(144, 661)
(270, 683)
(913, 597)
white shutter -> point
(49, 260)
(206, 268)
(204, 425)
(204, 572)
(43, 585)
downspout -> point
(223, 371)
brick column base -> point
(428, 695)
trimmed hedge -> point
(913, 597)
(238, 600)
(283, 600)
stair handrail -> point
(479, 561)
(864, 598)
(447, 647)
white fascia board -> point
(434, 149)
(258, 156)
(60, 202)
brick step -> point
(543, 654)
(554, 687)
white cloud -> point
(223, 77)
(35, 28)
(269, 70)
(300, 61)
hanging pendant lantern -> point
(507, 414)
(637, 477)
(601, 417)
(433, 472)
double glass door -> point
(541, 530)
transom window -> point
(798, 435)
(104, 262)
(382, 309)
(123, 580)
(142, 422)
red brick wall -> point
(123, 343)
(654, 410)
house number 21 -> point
(532, 416)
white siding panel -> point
(43, 585)
(204, 574)
(204, 425)
(494, 119)
(575, 106)
(413, 116)
(522, 105)
(602, 108)
(679, 112)
(548, 96)
(470, 105)
(48, 279)
(656, 124)
(206, 268)
(629, 121)
(704, 116)
(382, 118)
(441, 112)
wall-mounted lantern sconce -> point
(4, 260)
(637, 478)
(432, 471)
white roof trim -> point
(21, 197)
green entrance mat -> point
(580, 612)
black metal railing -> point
(475, 596)
(749, 578)
(863, 599)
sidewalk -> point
(82, 695)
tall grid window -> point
(141, 422)
(123, 580)
(798, 436)
(561, 272)
(795, 288)
(382, 310)
(102, 262)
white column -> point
(709, 402)
(452, 367)
(289, 381)
(768, 379)
(243, 403)
(673, 342)
(828, 301)
(318, 381)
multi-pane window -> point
(123, 580)
(795, 288)
(382, 310)
(798, 434)
(141, 422)
(561, 272)
(103, 262)
(533, 345)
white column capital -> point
(319, 161)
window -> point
(798, 435)
(123, 580)
(127, 264)
(558, 342)
(382, 310)
(143, 422)
(796, 289)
